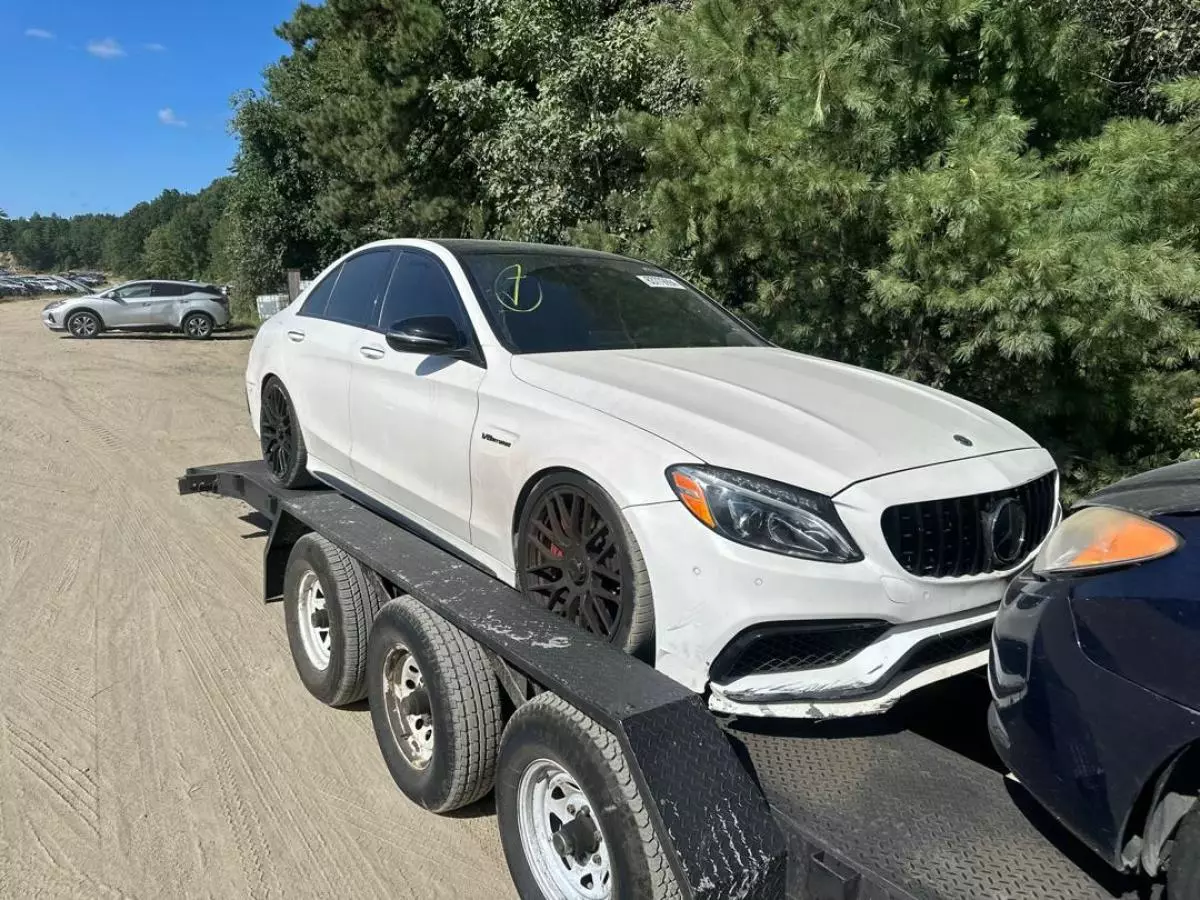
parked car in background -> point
(1096, 697)
(193, 308)
(790, 535)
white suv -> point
(795, 536)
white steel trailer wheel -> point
(408, 710)
(314, 621)
(329, 602)
(572, 821)
(563, 842)
(435, 706)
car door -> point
(127, 306)
(412, 415)
(164, 297)
(323, 341)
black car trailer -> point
(735, 808)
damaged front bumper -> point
(903, 660)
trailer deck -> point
(746, 809)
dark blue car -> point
(1095, 675)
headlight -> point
(765, 514)
(1098, 537)
(53, 304)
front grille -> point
(946, 539)
(950, 646)
(795, 646)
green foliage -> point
(169, 237)
(936, 189)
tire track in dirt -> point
(73, 786)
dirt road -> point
(154, 741)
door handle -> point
(371, 352)
(296, 336)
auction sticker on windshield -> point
(661, 281)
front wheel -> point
(1183, 865)
(198, 326)
(84, 324)
(577, 557)
(572, 820)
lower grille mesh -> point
(795, 647)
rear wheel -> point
(577, 557)
(198, 326)
(280, 437)
(329, 603)
(84, 324)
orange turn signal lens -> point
(1097, 537)
(1128, 540)
(692, 495)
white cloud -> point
(167, 116)
(154, 48)
(40, 33)
(105, 49)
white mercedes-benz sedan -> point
(788, 535)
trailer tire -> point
(441, 747)
(545, 730)
(329, 603)
(1183, 866)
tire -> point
(456, 714)
(282, 442)
(548, 729)
(633, 630)
(1183, 865)
(198, 326)
(351, 598)
(84, 324)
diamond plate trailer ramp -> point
(710, 816)
(884, 816)
(753, 810)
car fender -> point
(510, 450)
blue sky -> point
(104, 103)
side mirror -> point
(429, 335)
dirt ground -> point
(154, 741)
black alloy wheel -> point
(277, 431)
(574, 563)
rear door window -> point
(318, 297)
(355, 298)
(162, 289)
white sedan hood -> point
(805, 421)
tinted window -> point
(318, 297)
(544, 302)
(162, 289)
(421, 286)
(355, 298)
(142, 289)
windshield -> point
(547, 302)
